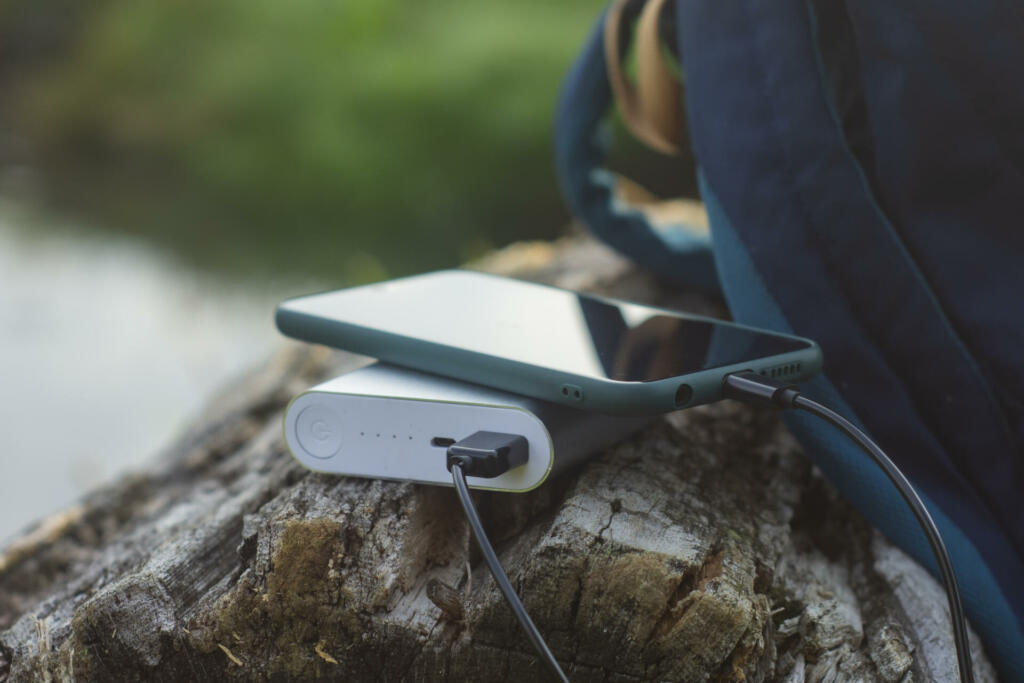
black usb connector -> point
(751, 387)
(488, 454)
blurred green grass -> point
(344, 140)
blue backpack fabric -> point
(862, 167)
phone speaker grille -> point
(780, 371)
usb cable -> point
(490, 454)
(752, 387)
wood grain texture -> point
(705, 548)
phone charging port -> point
(441, 441)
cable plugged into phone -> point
(489, 455)
(749, 386)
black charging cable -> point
(490, 454)
(750, 386)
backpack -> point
(862, 167)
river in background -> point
(109, 348)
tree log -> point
(704, 548)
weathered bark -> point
(705, 548)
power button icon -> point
(319, 431)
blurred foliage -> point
(350, 139)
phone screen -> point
(544, 326)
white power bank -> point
(386, 422)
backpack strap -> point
(675, 249)
(653, 108)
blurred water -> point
(107, 349)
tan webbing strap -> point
(652, 109)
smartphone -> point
(554, 344)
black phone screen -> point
(543, 326)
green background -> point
(347, 140)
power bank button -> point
(319, 431)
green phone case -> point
(591, 393)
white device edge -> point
(380, 422)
